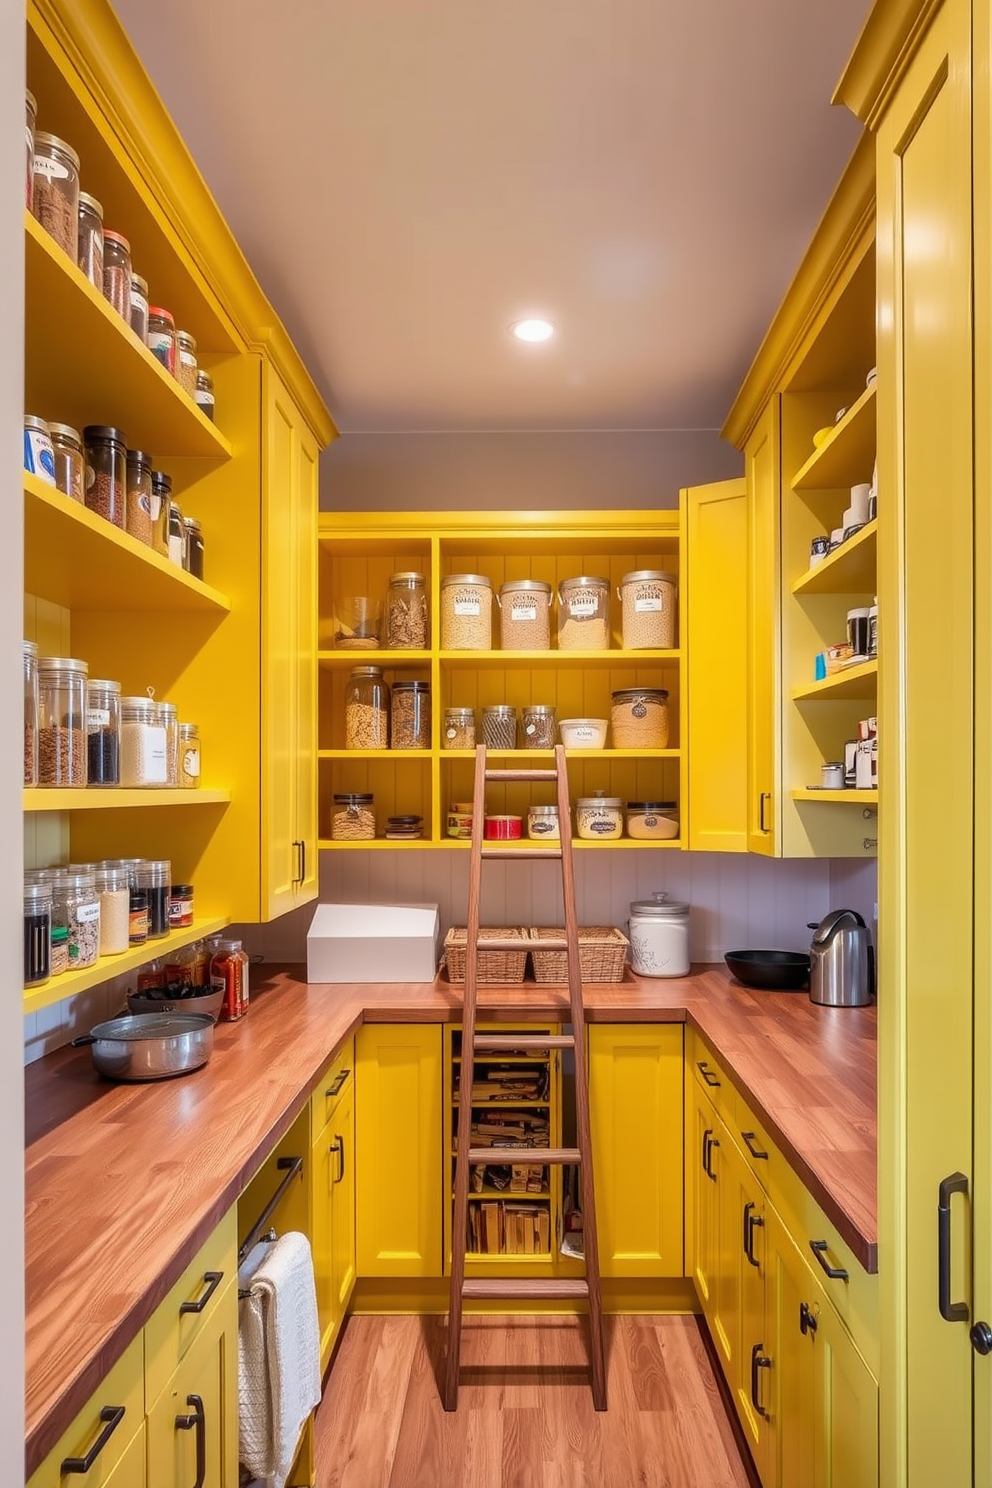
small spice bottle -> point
(189, 756)
(143, 744)
(89, 239)
(155, 877)
(37, 933)
(106, 471)
(177, 535)
(30, 115)
(117, 273)
(161, 337)
(180, 906)
(30, 713)
(55, 191)
(459, 728)
(139, 307)
(137, 924)
(161, 497)
(186, 368)
(139, 495)
(229, 972)
(39, 457)
(193, 547)
(103, 732)
(115, 910)
(67, 453)
(204, 394)
(62, 721)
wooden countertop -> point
(125, 1182)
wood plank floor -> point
(525, 1416)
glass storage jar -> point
(499, 726)
(103, 732)
(161, 337)
(181, 910)
(115, 910)
(55, 189)
(186, 367)
(407, 615)
(542, 822)
(177, 535)
(76, 904)
(139, 307)
(137, 922)
(189, 756)
(117, 273)
(653, 821)
(168, 715)
(659, 936)
(525, 616)
(155, 877)
(30, 713)
(139, 495)
(193, 536)
(161, 498)
(229, 972)
(647, 598)
(599, 818)
(584, 614)
(143, 744)
(203, 394)
(30, 115)
(459, 728)
(106, 472)
(538, 727)
(39, 457)
(366, 709)
(639, 718)
(410, 719)
(67, 454)
(89, 239)
(62, 721)
(353, 817)
(466, 613)
(37, 933)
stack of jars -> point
(379, 717)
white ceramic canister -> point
(659, 936)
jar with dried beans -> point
(366, 709)
(62, 721)
(106, 472)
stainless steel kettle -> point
(842, 961)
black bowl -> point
(770, 971)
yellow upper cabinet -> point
(762, 466)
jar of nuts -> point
(466, 613)
(366, 709)
(459, 728)
(648, 599)
(639, 718)
(353, 817)
(407, 616)
(538, 726)
(525, 616)
(411, 715)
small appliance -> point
(842, 961)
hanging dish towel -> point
(278, 1354)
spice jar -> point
(55, 189)
(652, 821)
(229, 973)
(466, 613)
(37, 933)
(411, 716)
(161, 336)
(155, 877)
(137, 924)
(30, 651)
(203, 394)
(186, 367)
(77, 906)
(366, 709)
(499, 727)
(599, 818)
(647, 597)
(30, 114)
(103, 732)
(168, 716)
(542, 821)
(407, 615)
(61, 721)
(161, 497)
(67, 454)
(39, 457)
(143, 744)
(502, 827)
(353, 817)
(177, 535)
(115, 910)
(639, 718)
(189, 756)
(106, 472)
(659, 936)
(873, 627)
(181, 907)
(459, 729)
(525, 616)
(117, 273)
(138, 315)
(584, 614)
(139, 495)
(459, 819)
(538, 727)
(193, 551)
(89, 239)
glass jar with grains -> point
(161, 338)
(459, 728)
(139, 495)
(466, 613)
(106, 472)
(67, 452)
(647, 597)
(584, 614)
(143, 744)
(117, 273)
(30, 713)
(89, 239)
(154, 876)
(366, 709)
(55, 190)
(186, 362)
(410, 724)
(62, 721)
(76, 904)
(599, 818)
(115, 910)
(525, 616)
(353, 817)
(139, 307)
(639, 718)
(407, 616)
(103, 732)
(204, 394)
(538, 727)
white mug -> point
(859, 503)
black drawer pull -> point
(752, 1222)
(111, 1417)
(951, 1312)
(819, 1249)
(749, 1144)
(339, 1080)
(708, 1144)
(196, 1422)
(213, 1280)
(707, 1073)
(338, 1146)
(807, 1319)
(759, 1360)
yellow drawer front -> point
(122, 1390)
(710, 1074)
(328, 1091)
(171, 1330)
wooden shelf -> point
(540, 757)
(431, 844)
(850, 797)
(334, 661)
(847, 455)
(114, 798)
(106, 967)
(857, 682)
(514, 1198)
(84, 364)
(530, 659)
(75, 558)
(397, 756)
(850, 569)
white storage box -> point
(373, 943)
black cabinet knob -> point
(981, 1338)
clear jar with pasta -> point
(466, 613)
(538, 727)
(407, 614)
(410, 717)
(353, 817)
(366, 709)
(499, 727)
(647, 598)
(459, 728)
(525, 616)
(639, 718)
(584, 614)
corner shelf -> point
(116, 798)
(847, 454)
(851, 797)
(856, 683)
(850, 569)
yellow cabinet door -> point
(762, 471)
(398, 1150)
(746, 1268)
(702, 1239)
(342, 1126)
(635, 1100)
(791, 1321)
(323, 1165)
(847, 1412)
(103, 1433)
(192, 1428)
(716, 650)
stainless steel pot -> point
(155, 1046)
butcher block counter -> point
(125, 1182)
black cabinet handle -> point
(752, 1222)
(981, 1338)
(807, 1320)
(303, 861)
(819, 1249)
(707, 1073)
(762, 798)
(213, 1280)
(708, 1144)
(759, 1360)
(196, 1422)
(111, 1417)
(749, 1144)
(337, 1082)
(951, 1312)
(338, 1146)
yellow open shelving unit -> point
(71, 982)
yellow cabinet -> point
(108, 1433)
(192, 1431)
(398, 1150)
(713, 1264)
(744, 1269)
(762, 467)
(333, 1216)
(635, 1091)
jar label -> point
(53, 169)
(650, 821)
(87, 913)
(639, 710)
(204, 399)
(154, 507)
(39, 457)
(583, 609)
(191, 762)
(152, 746)
(97, 718)
(467, 607)
(583, 734)
(451, 733)
(542, 826)
(138, 301)
(523, 612)
(530, 728)
(643, 606)
(602, 824)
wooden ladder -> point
(586, 1287)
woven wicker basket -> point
(602, 953)
(495, 967)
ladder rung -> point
(505, 1157)
(497, 850)
(521, 774)
(506, 943)
(530, 1041)
(534, 1286)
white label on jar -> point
(138, 302)
(86, 913)
(153, 755)
(191, 762)
(468, 607)
(523, 612)
(53, 169)
(583, 609)
(154, 507)
(531, 728)
(160, 342)
(642, 606)
(187, 358)
(39, 457)
(582, 734)
(204, 399)
(97, 717)
(601, 824)
(542, 826)
(451, 733)
(176, 550)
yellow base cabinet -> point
(108, 1433)
(333, 1212)
(193, 1425)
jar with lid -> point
(30, 115)
(639, 718)
(538, 727)
(155, 877)
(647, 598)
(366, 709)
(203, 394)
(161, 337)
(139, 307)
(62, 721)
(152, 974)
(186, 367)
(117, 273)
(177, 535)
(139, 495)
(653, 821)
(189, 756)
(89, 239)
(30, 651)
(77, 904)
(193, 534)
(55, 189)
(229, 974)
(143, 744)
(59, 949)
(103, 732)
(466, 613)
(542, 822)
(37, 933)
(584, 614)
(137, 923)
(181, 907)
(410, 721)
(106, 472)
(499, 726)
(407, 615)
(599, 818)
(168, 715)
(525, 616)
(459, 728)
(873, 627)
(39, 457)
(160, 502)
(67, 453)
(115, 910)
(659, 936)
(353, 817)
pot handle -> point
(84, 1038)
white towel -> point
(278, 1354)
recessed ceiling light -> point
(532, 330)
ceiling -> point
(408, 179)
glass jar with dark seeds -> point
(154, 876)
(37, 933)
(103, 732)
(194, 547)
(106, 472)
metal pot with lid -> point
(659, 936)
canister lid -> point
(116, 237)
(591, 802)
(102, 684)
(192, 523)
(31, 100)
(542, 810)
(85, 200)
(32, 421)
(411, 687)
(648, 575)
(161, 313)
(651, 805)
(104, 431)
(659, 907)
(477, 580)
(52, 141)
(583, 581)
(142, 284)
(66, 431)
(539, 710)
(353, 798)
(627, 694)
(366, 671)
(62, 664)
(407, 576)
(162, 481)
(183, 338)
(139, 457)
(459, 715)
(188, 730)
(533, 586)
(30, 648)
